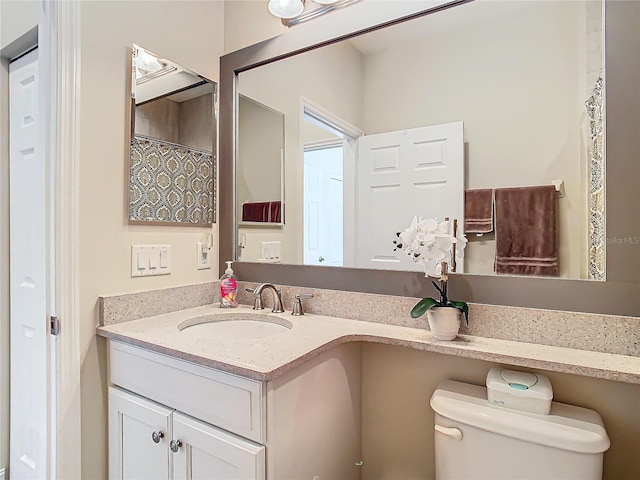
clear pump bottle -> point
(228, 288)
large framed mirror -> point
(172, 154)
(526, 79)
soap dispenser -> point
(228, 288)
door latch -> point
(55, 325)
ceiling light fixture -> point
(286, 9)
(293, 12)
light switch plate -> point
(270, 252)
(147, 260)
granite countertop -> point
(268, 357)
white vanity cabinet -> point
(149, 441)
(172, 419)
(155, 398)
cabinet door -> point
(135, 452)
(203, 452)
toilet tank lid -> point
(566, 427)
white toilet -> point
(477, 440)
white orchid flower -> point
(430, 243)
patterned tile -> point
(171, 182)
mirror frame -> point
(618, 295)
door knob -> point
(175, 445)
(157, 436)
(321, 258)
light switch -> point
(154, 259)
(143, 260)
(164, 259)
(150, 260)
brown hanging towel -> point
(256, 211)
(478, 210)
(526, 231)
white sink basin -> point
(236, 326)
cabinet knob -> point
(175, 445)
(157, 436)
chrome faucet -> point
(277, 299)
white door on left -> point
(29, 275)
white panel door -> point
(139, 436)
(208, 453)
(29, 236)
(312, 215)
(402, 174)
(323, 201)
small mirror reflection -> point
(172, 154)
(259, 179)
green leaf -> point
(422, 306)
(463, 307)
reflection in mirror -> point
(172, 155)
(259, 178)
(484, 96)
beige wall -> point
(314, 76)
(108, 30)
(397, 433)
(196, 122)
(158, 119)
(187, 123)
(247, 22)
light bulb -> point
(286, 8)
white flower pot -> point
(444, 322)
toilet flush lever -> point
(451, 432)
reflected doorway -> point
(323, 205)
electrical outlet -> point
(203, 257)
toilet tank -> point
(477, 440)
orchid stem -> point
(443, 283)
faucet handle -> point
(297, 303)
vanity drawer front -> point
(230, 402)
